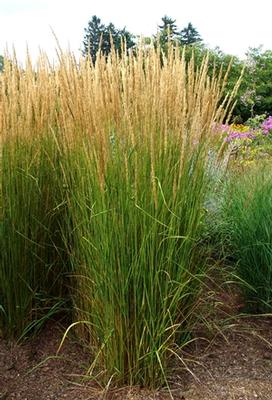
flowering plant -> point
(251, 141)
(267, 126)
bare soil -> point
(235, 365)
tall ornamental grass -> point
(33, 262)
(136, 181)
(138, 271)
(31, 258)
(247, 214)
(120, 186)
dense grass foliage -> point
(103, 183)
(247, 214)
(31, 254)
(135, 256)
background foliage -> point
(255, 94)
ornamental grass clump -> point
(247, 213)
(136, 179)
(32, 256)
(114, 200)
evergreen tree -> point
(189, 35)
(93, 35)
(101, 37)
(167, 30)
(168, 25)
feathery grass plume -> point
(124, 172)
(31, 257)
(136, 177)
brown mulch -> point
(235, 365)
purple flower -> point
(232, 132)
(225, 128)
(267, 125)
(239, 135)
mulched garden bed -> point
(235, 365)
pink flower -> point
(267, 125)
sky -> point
(233, 25)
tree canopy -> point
(189, 35)
(255, 93)
(167, 30)
(258, 81)
(101, 37)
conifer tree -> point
(189, 35)
(101, 37)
